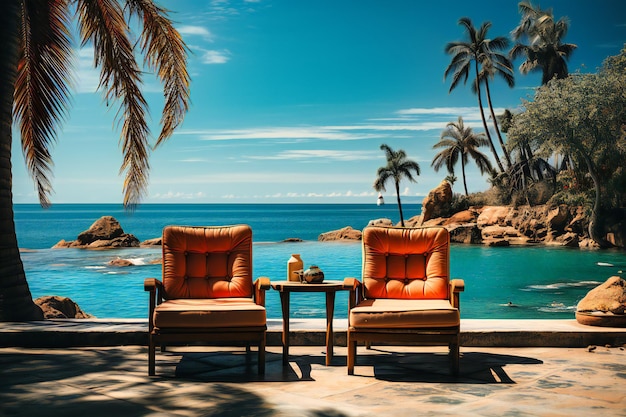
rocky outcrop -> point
(157, 241)
(380, 222)
(604, 305)
(347, 233)
(55, 307)
(105, 232)
(437, 203)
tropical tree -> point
(35, 78)
(583, 116)
(545, 50)
(477, 54)
(397, 168)
(460, 142)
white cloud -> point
(321, 153)
(171, 195)
(87, 76)
(215, 57)
(281, 132)
(190, 30)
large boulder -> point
(604, 305)
(347, 233)
(56, 307)
(438, 202)
(106, 232)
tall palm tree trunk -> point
(482, 115)
(399, 203)
(495, 124)
(16, 303)
(463, 172)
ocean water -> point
(539, 282)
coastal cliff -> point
(505, 225)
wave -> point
(556, 308)
(95, 267)
(561, 285)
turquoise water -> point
(541, 282)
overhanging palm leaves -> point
(460, 142)
(397, 168)
(37, 55)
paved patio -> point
(388, 381)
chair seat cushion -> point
(400, 313)
(209, 313)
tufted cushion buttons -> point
(406, 281)
(387, 279)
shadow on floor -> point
(475, 368)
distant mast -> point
(381, 200)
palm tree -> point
(35, 75)
(476, 53)
(461, 142)
(397, 168)
(545, 51)
(496, 63)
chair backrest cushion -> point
(207, 262)
(406, 263)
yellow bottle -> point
(294, 264)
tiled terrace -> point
(508, 367)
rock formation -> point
(55, 307)
(437, 202)
(105, 232)
(347, 233)
(604, 305)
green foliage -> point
(582, 117)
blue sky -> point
(291, 100)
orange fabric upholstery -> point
(406, 263)
(207, 293)
(201, 262)
(203, 313)
(384, 313)
(406, 294)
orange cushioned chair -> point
(406, 295)
(207, 294)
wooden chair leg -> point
(454, 355)
(151, 357)
(261, 358)
(351, 355)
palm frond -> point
(166, 53)
(42, 96)
(103, 24)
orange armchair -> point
(406, 295)
(207, 293)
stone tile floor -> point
(388, 381)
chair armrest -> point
(351, 283)
(355, 288)
(155, 287)
(456, 287)
(260, 286)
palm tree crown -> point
(35, 78)
(397, 168)
(461, 142)
(545, 50)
